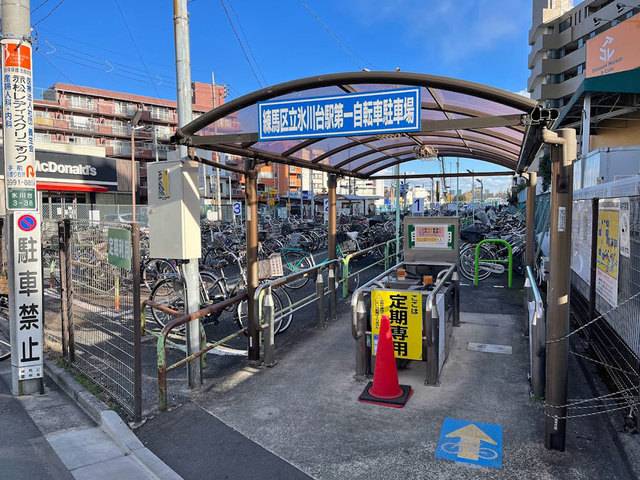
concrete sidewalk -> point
(50, 436)
(304, 412)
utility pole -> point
(191, 272)
(215, 131)
(23, 212)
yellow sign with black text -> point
(405, 316)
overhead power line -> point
(344, 48)
(241, 45)
(48, 14)
(247, 42)
(124, 20)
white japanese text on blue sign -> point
(388, 111)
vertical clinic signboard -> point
(608, 250)
(17, 103)
(25, 283)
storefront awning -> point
(69, 187)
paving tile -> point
(81, 447)
(117, 468)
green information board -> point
(119, 248)
(21, 198)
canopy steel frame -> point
(439, 91)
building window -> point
(82, 141)
(579, 16)
(78, 101)
(580, 69)
(564, 25)
(124, 108)
(159, 113)
(43, 137)
(77, 122)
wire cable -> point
(48, 14)
(240, 42)
(39, 7)
(124, 20)
(247, 42)
(333, 35)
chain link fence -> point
(89, 303)
(93, 212)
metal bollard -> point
(331, 278)
(268, 314)
(320, 300)
(455, 278)
(361, 342)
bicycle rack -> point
(497, 260)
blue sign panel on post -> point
(305, 194)
(471, 442)
(385, 111)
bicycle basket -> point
(270, 267)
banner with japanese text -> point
(17, 106)
(608, 250)
(405, 315)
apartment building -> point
(585, 61)
(71, 115)
(558, 37)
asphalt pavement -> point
(301, 418)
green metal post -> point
(499, 260)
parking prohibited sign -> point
(237, 208)
(26, 223)
(26, 288)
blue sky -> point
(129, 45)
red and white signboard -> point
(17, 110)
(26, 301)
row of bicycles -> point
(293, 245)
(507, 224)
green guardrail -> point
(494, 260)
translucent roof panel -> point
(464, 118)
(462, 100)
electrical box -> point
(174, 210)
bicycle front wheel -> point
(295, 261)
(155, 270)
(242, 315)
(166, 294)
(467, 262)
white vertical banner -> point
(17, 104)
(26, 300)
(625, 227)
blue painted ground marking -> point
(471, 442)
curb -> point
(111, 424)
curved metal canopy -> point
(458, 118)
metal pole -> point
(215, 131)
(531, 219)
(137, 324)
(268, 312)
(396, 172)
(458, 187)
(251, 186)
(133, 172)
(595, 202)
(231, 199)
(563, 153)
(331, 186)
(190, 268)
(155, 141)
(301, 190)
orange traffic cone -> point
(385, 389)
